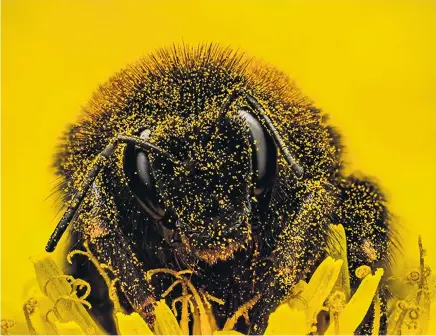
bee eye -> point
(140, 179)
(264, 153)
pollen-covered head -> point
(210, 185)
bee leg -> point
(366, 219)
(101, 306)
(107, 243)
(299, 249)
(113, 251)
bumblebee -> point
(200, 158)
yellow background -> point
(369, 64)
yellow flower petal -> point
(211, 317)
(432, 318)
(197, 321)
(35, 320)
(319, 288)
(132, 324)
(287, 321)
(166, 323)
(68, 328)
(227, 332)
(377, 316)
(203, 325)
(356, 309)
(204, 322)
(53, 283)
(231, 321)
(337, 249)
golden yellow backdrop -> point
(370, 64)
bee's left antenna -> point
(78, 198)
(89, 179)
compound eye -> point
(143, 168)
(140, 179)
(264, 153)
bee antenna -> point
(266, 120)
(79, 197)
(230, 99)
(99, 164)
(141, 143)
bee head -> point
(209, 184)
(205, 168)
(216, 165)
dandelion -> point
(411, 315)
(352, 314)
(65, 312)
(61, 307)
(302, 312)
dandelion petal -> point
(132, 324)
(377, 316)
(356, 309)
(287, 321)
(54, 285)
(227, 332)
(320, 287)
(337, 249)
(166, 323)
(68, 328)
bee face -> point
(210, 185)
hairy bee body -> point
(287, 225)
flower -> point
(413, 314)
(352, 314)
(329, 284)
(302, 312)
(60, 306)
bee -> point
(200, 158)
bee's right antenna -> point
(99, 164)
(260, 112)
